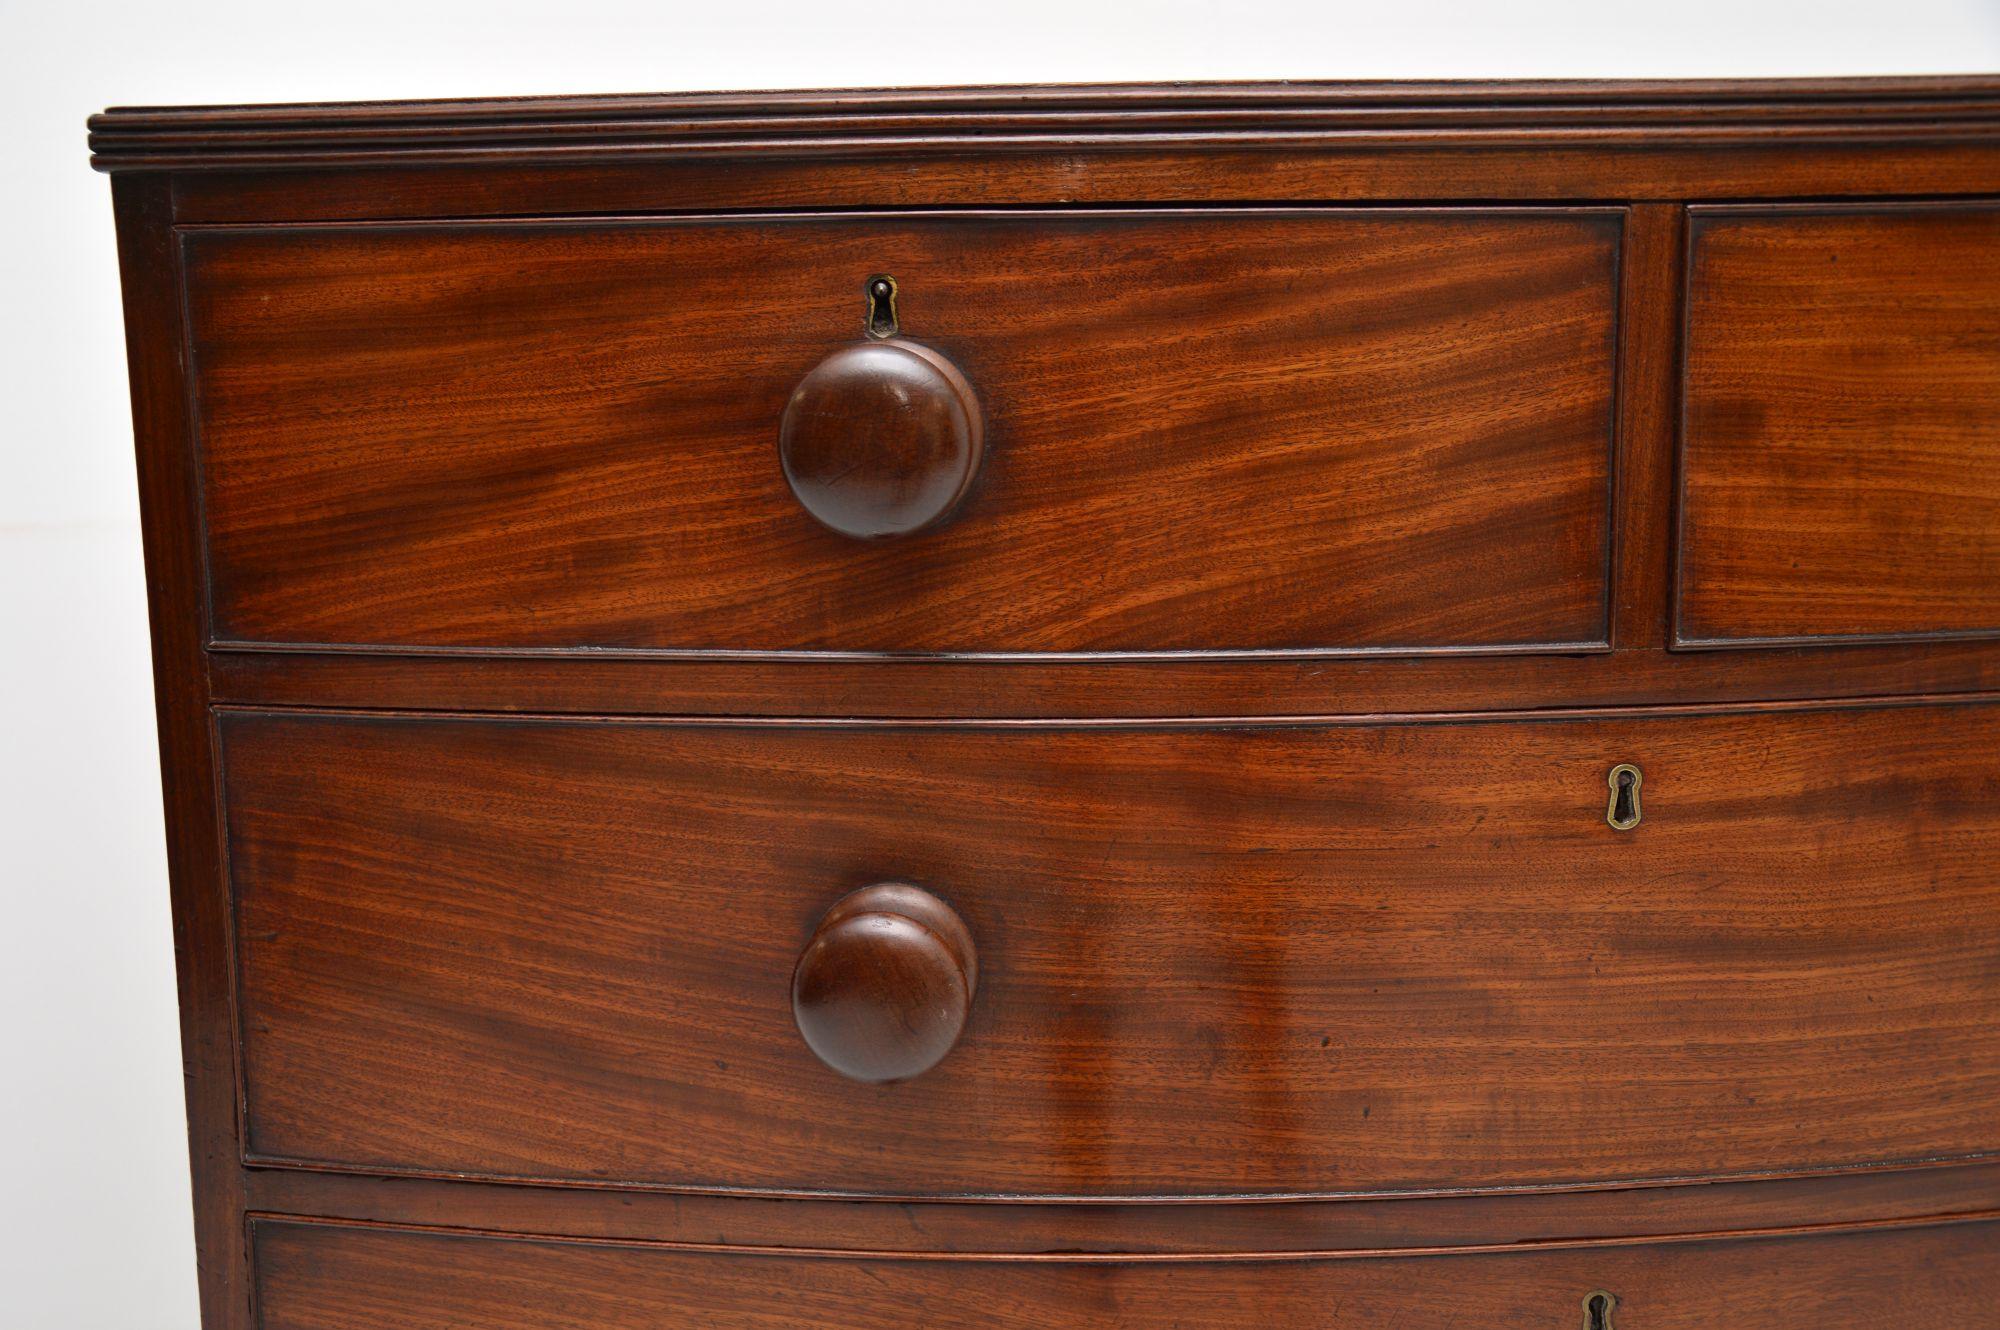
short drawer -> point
(325, 1277)
(1253, 430)
(1288, 959)
(1841, 472)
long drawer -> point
(1206, 430)
(1209, 960)
(320, 1277)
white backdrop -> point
(94, 1221)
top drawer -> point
(1841, 470)
(1209, 431)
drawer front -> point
(1208, 431)
(323, 1277)
(1208, 961)
(1842, 438)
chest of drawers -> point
(1332, 705)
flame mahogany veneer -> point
(1005, 707)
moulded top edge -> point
(902, 118)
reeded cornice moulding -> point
(1083, 117)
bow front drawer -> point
(946, 961)
(330, 1277)
(1033, 432)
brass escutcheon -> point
(881, 290)
(1623, 810)
(1597, 1310)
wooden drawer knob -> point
(882, 438)
(882, 991)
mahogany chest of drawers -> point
(1212, 707)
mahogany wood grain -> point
(885, 983)
(1841, 463)
(1362, 685)
(1648, 358)
(335, 1277)
(168, 484)
(1138, 1227)
(1670, 143)
(1078, 116)
(1228, 431)
(561, 948)
(882, 438)
(1540, 169)
(1254, 960)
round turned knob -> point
(881, 439)
(882, 990)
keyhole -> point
(1623, 811)
(881, 307)
(1597, 1311)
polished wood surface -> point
(325, 1277)
(169, 484)
(1841, 468)
(1135, 690)
(882, 439)
(1363, 472)
(1425, 167)
(1395, 432)
(1344, 1224)
(882, 990)
(838, 123)
(1291, 959)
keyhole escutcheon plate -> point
(1597, 1310)
(882, 318)
(1622, 812)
